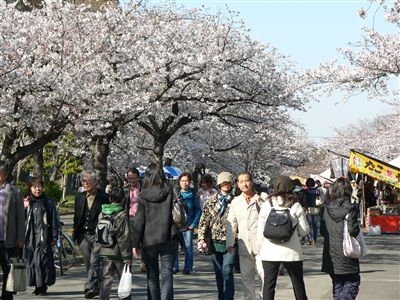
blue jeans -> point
(223, 267)
(188, 243)
(312, 221)
(345, 287)
(166, 252)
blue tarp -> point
(172, 172)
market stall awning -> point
(373, 167)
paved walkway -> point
(380, 277)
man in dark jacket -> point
(12, 225)
(87, 209)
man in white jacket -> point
(242, 221)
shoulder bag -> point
(179, 213)
(353, 247)
(16, 280)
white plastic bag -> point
(125, 284)
(353, 247)
(374, 230)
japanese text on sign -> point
(361, 163)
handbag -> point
(179, 213)
(16, 280)
(318, 202)
(353, 247)
(125, 283)
(314, 211)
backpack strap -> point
(270, 202)
(118, 214)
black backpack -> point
(279, 226)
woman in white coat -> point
(287, 253)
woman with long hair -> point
(344, 271)
(154, 236)
(288, 253)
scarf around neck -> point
(223, 201)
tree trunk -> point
(54, 170)
(158, 151)
(100, 150)
(38, 162)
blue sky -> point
(310, 33)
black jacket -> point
(79, 213)
(332, 224)
(41, 221)
(153, 221)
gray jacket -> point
(153, 222)
(14, 217)
(122, 249)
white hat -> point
(224, 177)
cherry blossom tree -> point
(40, 68)
(373, 62)
(377, 137)
(66, 68)
(196, 66)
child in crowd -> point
(113, 258)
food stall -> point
(386, 215)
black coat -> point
(153, 221)
(79, 213)
(332, 224)
(41, 229)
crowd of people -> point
(229, 219)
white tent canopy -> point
(324, 176)
(395, 162)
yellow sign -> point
(361, 163)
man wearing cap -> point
(242, 220)
(213, 219)
(12, 225)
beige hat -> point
(224, 177)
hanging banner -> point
(340, 167)
(375, 168)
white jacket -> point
(242, 221)
(290, 250)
